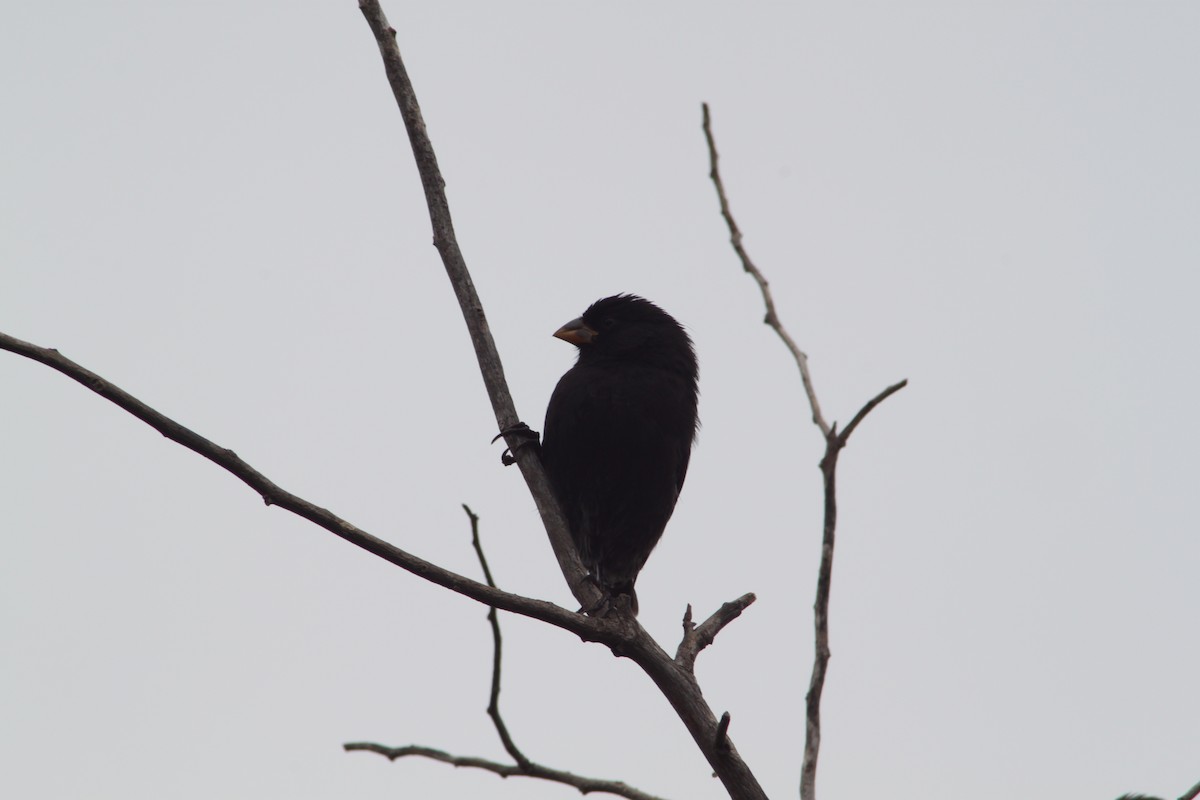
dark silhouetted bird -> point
(618, 435)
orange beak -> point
(576, 332)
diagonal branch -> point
(273, 495)
(490, 367)
(870, 406)
(834, 442)
(622, 634)
(772, 319)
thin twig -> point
(772, 319)
(874, 401)
(584, 785)
(834, 442)
(523, 767)
(493, 708)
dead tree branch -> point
(1190, 794)
(274, 495)
(620, 633)
(524, 767)
(696, 638)
(834, 442)
(493, 708)
(771, 318)
(584, 785)
(490, 366)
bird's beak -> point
(576, 332)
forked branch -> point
(834, 442)
(523, 766)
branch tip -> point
(721, 740)
(771, 319)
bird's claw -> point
(528, 437)
(610, 601)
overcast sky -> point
(214, 206)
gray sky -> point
(214, 206)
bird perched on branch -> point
(618, 434)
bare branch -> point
(585, 591)
(724, 615)
(772, 319)
(273, 495)
(493, 708)
(874, 401)
(834, 442)
(816, 685)
(523, 767)
(696, 638)
(584, 785)
(620, 633)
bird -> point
(618, 435)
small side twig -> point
(524, 767)
(696, 638)
(722, 741)
(493, 708)
(869, 407)
(834, 442)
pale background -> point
(214, 206)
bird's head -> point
(626, 327)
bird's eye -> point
(608, 322)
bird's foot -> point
(611, 600)
(601, 607)
(529, 437)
